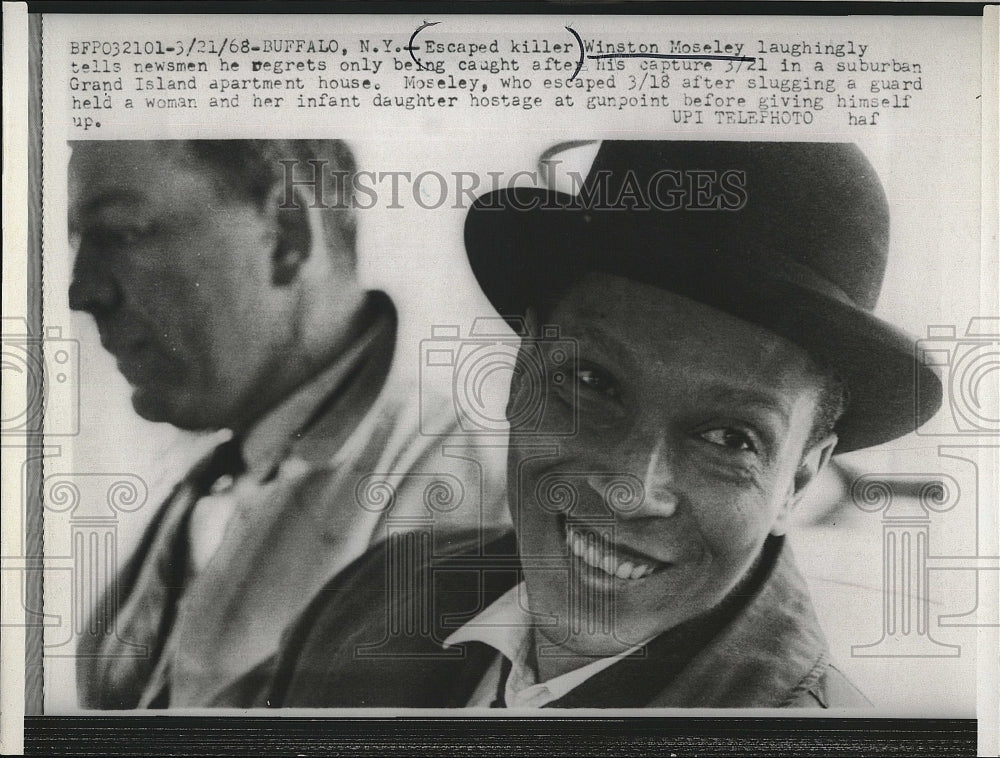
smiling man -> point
(719, 426)
(717, 300)
(222, 277)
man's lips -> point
(614, 559)
(120, 342)
(136, 360)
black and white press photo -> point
(480, 366)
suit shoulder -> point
(366, 574)
(359, 608)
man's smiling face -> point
(704, 415)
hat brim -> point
(522, 243)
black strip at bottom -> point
(199, 735)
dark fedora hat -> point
(790, 236)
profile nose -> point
(649, 466)
(93, 288)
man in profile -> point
(221, 275)
(718, 299)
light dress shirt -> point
(266, 452)
(347, 459)
(507, 626)
(266, 448)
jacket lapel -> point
(772, 650)
(758, 653)
(135, 613)
(360, 643)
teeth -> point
(599, 553)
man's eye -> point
(597, 381)
(732, 439)
(114, 237)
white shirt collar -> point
(506, 625)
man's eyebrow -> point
(110, 197)
(747, 396)
(586, 324)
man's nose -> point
(651, 465)
(93, 288)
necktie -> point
(217, 472)
(225, 462)
(500, 700)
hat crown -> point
(818, 208)
(792, 237)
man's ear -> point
(813, 462)
(293, 239)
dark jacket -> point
(373, 637)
